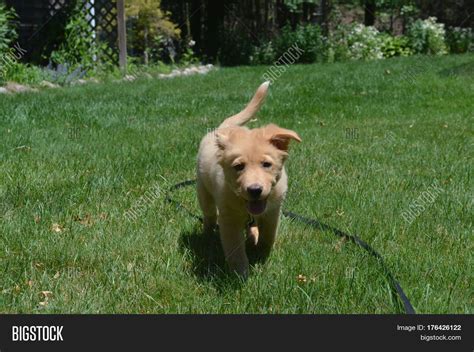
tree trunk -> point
(325, 14)
(312, 10)
(265, 15)
(305, 12)
(145, 43)
(369, 12)
(257, 16)
(195, 18)
(122, 34)
(281, 13)
(214, 25)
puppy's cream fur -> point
(241, 173)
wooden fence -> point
(41, 25)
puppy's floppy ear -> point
(280, 137)
(222, 137)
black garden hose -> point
(318, 226)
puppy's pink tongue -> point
(256, 207)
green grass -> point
(80, 157)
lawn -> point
(375, 136)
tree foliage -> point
(151, 27)
(7, 31)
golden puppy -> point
(240, 175)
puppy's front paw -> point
(209, 225)
(240, 267)
(263, 251)
(252, 234)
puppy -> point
(241, 176)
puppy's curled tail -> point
(250, 110)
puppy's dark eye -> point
(267, 164)
(239, 167)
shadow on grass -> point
(466, 69)
(208, 260)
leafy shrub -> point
(28, 74)
(63, 75)
(427, 37)
(409, 13)
(188, 57)
(80, 47)
(7, 31)
(150, 30)
(24, 73)
(338, 49)
(395, 46)
(460, 40)
(308, 38)
(7, 36)
(356, 42)
(263, 54)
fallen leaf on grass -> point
(340, 243)
(301, 278)
(57, 228)
(24, 148)
(46, 294)
(448, 180)
(85, 220)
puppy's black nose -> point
(254, 190)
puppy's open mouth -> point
(256, 207)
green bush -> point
(395, 46)
(7, 36)
(151, 32)
(427, 37)
(188, 56)
(7, 31)
(460, 40)
(80, 47)
(356, 42)
(337, 45)
(308, 38)
(24, 73)
(263, 54)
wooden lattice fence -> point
(101, 16)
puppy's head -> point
(253, 160)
